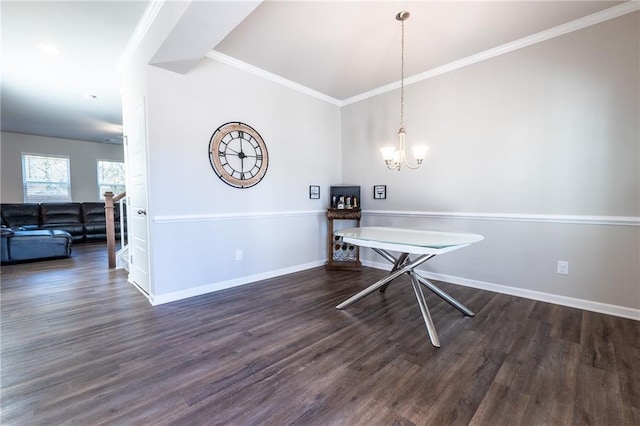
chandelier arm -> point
(412, 168)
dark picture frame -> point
(314, 192)
(379, 192)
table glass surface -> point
(410, 237)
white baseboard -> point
(588, 305)
(210, 288)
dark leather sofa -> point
(63, 216)
(94, 222)
(46, 230)
(84, 221)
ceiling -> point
(339, 49)
(50, 94)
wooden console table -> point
(351, 259)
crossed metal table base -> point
(404, 265)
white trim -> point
(575, 25)
(213, 287)
(508, 217)
(228, 60)
(604, 308)
(512, 217)
(587, 305)
(137, 287)
(233, 216)
(578, 24)
(149, 15)
(611, 13)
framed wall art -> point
(314, 192)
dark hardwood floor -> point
(81, 346)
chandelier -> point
(395, 156)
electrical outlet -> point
(239, 254)
(563, 267)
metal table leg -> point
(445, 296)
(397, 263)
(403, 265)
(431, 329)
(392, 275)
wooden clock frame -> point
(228, 158)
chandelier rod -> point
(394, 157)
(401, 17)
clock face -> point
(238, 155)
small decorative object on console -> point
(345, 197)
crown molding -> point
(149, 15)
(569, 27)
(605, 15)
(228, 60)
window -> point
(110, 177)
(45, 178)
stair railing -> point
(109, 205)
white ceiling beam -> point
(201, 28)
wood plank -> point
(598, 400)
(501, 406)
(598, 349)
(80, 345)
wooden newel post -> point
(111, 228)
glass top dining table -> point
(415, 241)
(424, 244)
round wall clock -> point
(238, 155)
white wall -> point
(197, 221)
(549, 134)
(83, 161)
(538, 150)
